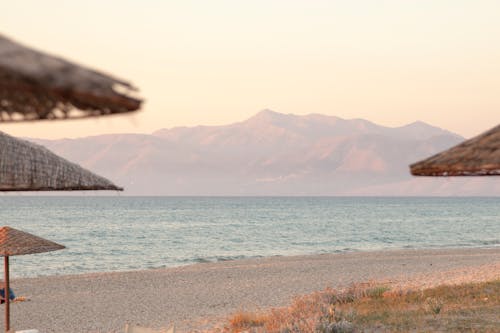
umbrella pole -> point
(6, 294)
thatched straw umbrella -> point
(36, 86)
(479, 156)
(15, 242)
(25, 166)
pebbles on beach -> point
(196, 295)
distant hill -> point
(273, 154)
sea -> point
(120, 233)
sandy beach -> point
(195, 296)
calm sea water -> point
(127, 233)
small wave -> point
(495, 242)
(211, 259)
(200, 260)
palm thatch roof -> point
(36, 86)
(15, 242)
(479, 156)
(25, 166)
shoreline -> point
(202, 261)
(193, 296)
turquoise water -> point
(127, 233)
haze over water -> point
(129, 233)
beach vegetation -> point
(377, 292)
(243, 320)
(434, 305)
(470, 307)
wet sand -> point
(195, 296)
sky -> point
(221, 61)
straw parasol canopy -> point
(479, 156)
(37, 86)
(16, 242)
(25, 166)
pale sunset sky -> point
(216, 62)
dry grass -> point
(376, 308)
(243, 320)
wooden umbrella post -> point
(6, 294)
(16, 242)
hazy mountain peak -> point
(422, 130)
(420, 124)
(267, 124)
(269, 116)
(268, 113)
(323, 118)
(270, 153)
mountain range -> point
(273, 154)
